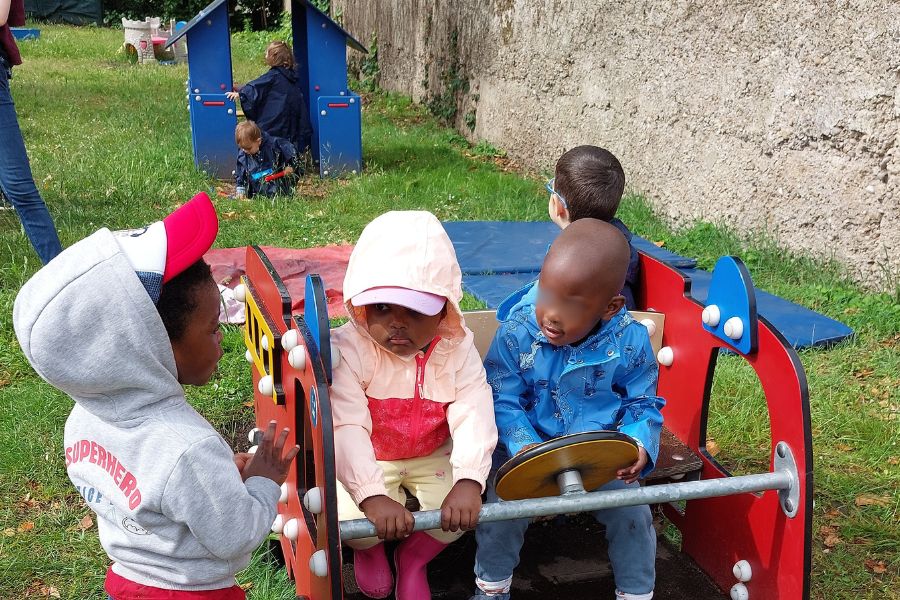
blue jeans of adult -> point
(629, 533)
(16, 180)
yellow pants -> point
(428, 478)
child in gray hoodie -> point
(119, 322)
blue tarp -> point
(499, 257)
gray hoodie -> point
(172, 511)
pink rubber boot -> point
(372, 571)
(411, 560)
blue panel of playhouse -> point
(730, 312)
(340, 142)
(320, 49)
(213, 116)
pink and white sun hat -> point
(422, 302)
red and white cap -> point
(422, 302)
(164, 249)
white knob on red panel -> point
(266, 386)
(312, 500)
(297, 358)
(278, 524)
(650, 325)
(318, 563)
(742, 570)
(665, 356)
(739, 592)
(290, 339)
(292, 530)
(251, 435)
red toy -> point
(275, 176)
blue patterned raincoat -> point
(542, 391)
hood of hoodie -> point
(407, 249)
(88, 327)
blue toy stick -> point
(260, 174)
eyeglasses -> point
(549, 186)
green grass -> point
(110, 146)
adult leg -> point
(632, 546)
(17, 181)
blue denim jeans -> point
(629, 532)
(16, 181)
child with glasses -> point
(589, 182)
(568, 358)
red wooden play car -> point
(751, 543)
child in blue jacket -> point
(569, 358)
(275, 101)
(260, 156)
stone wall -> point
(777, 117)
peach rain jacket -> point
(387, 407)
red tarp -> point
(293, 265)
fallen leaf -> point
(876, 566)
(833, 514)
(659, 244)
(26, 526)
(894, 460)
(830, 536)
(86, 523)
(867, 500)
(863, 373)
(249, 404)
(9, 532)
(27, 503)
(247, 586)
(712, 447)
(49, 592)
(844, 447)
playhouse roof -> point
(351, 41)
(193, 22)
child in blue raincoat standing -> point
(274, 100)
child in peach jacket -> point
(411, 405)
